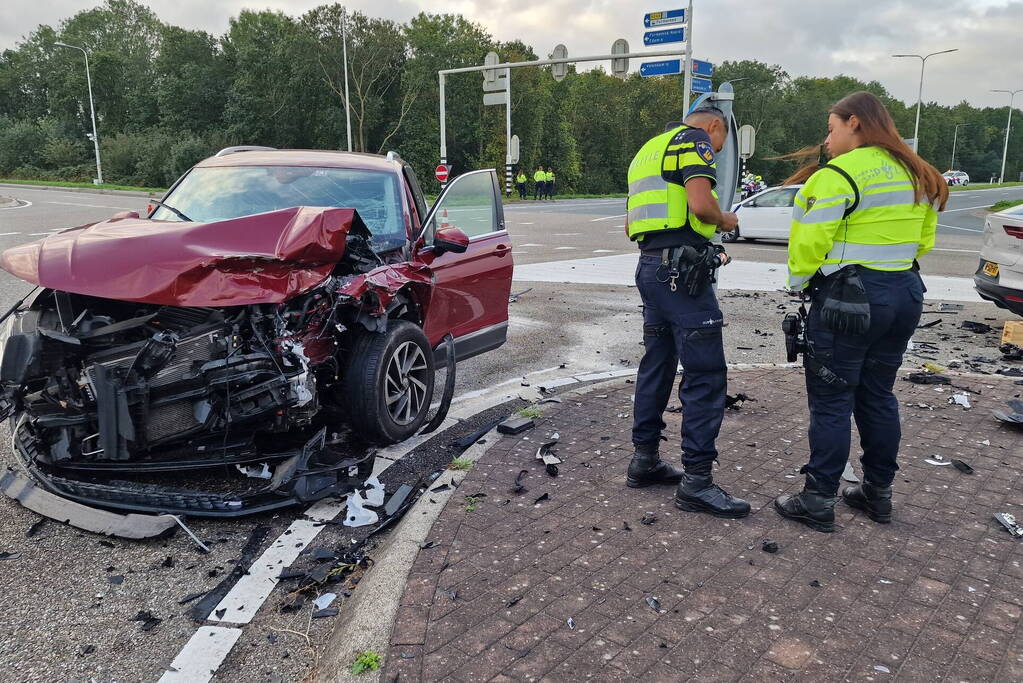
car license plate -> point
(991, 269)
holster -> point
(845, 308)
(696, 265)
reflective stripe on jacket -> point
(886, 229)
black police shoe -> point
(647, 469)
(699, 493)
(875, 500)
(811, 507)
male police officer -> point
(672, 213)
(540, 179)
(549, 179)
(520, 183)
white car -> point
(999, 277)
(766, 215)
(956, 178)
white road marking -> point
(36, 234)
(566, 234)
(525, 223)
(956, 227)
(93, 206)
(202, 655)
(608, 218)
(19, 206)
(767, 249)
(743, 275)
(966, 208)
(563, 248)
(603, 251)
(9, 233)
(964, 251)
(530, 245)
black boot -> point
(812, 507)
(647, 469)
(699, 493)
(876, 500)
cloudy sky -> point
(806, 37)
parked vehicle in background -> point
(999, 276)
(956, 178)
(272, 303)
(766, 215)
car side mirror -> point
(450, 239)
(121, 215)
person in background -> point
(549, 179)
(540, 181)
(520, 183)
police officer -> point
(859, 224)
(549, 179)
(539, 179)
(520, 183)
(672, 214)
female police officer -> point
(859, 223)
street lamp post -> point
(348, 108)
(1005, 148)
(92, 109)
(920, 93)
(955, 137)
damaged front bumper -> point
(303, 475)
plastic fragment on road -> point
(961, 400)
(653, 603)
(770, 547)
(973, 326)
(9, 556)
(736, 402)
(927, 378)
(324, 613)
(552, 469)
(515, 425)
(937, 460)
(934, 367)
(375, 492)
(648, 518)
(399, 497)
(356, 514)
(149, 622)
(1009, 522)
(517, 487)
(850, 474)
(324, 601)
(571, 624)
(962, 466)
(1014, 415)
(882, 668)
(541, 499)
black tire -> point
(732, 236)
(371, 379)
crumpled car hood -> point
(264, 258)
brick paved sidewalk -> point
(936, 595)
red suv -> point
(272, 302)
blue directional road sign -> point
(702, 85)
(702, 68)
(668, 35)
(669, 18)
(662, 68)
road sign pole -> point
(508, 142)
(443, 131)
(687, 79)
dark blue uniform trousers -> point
(869, 363)
(678, 327)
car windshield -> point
(224, 192)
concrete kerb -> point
(89, 190)
(371, 612)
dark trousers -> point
(678, 327)
(550, 189)
(539, 189)
(869, 364)
(521, 187)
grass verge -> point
(1006, 204)
(68, 183)
(981, 186)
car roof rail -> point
(243, 148)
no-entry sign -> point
(442, 173)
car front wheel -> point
(389, 382)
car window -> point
(469, 205)
(777, 198)
(1015, 210)
(225, 192)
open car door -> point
(470, 293)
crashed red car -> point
(271, 303)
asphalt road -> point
(69, 620)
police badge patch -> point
(810, 201)
(705, 151)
